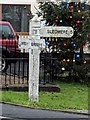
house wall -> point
(33, 3)
(0, 12)
(18, 15)
(33, 8)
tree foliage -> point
(76, 15)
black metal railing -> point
(16, 65)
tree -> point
(76, 15)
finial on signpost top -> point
(35, 18)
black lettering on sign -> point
(59, 32)
(36, 44)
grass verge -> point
(72, 96)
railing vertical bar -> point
(51, 78)
(19, 71)
(6, 70)
(10, 74)
(23, 67)
(44, 67)
(15, 62)
(27, 70)
(14, 71)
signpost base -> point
(34, 74)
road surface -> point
(23, 113)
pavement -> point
(17, 112)
(5, 118)
(82, 112)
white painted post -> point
(34, 75)
(34, 60)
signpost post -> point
(36, 31)
(34, 74)
(34, 59)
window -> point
(5, 30)
(18, 16)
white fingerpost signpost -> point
(37, 31)
(34, 58)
